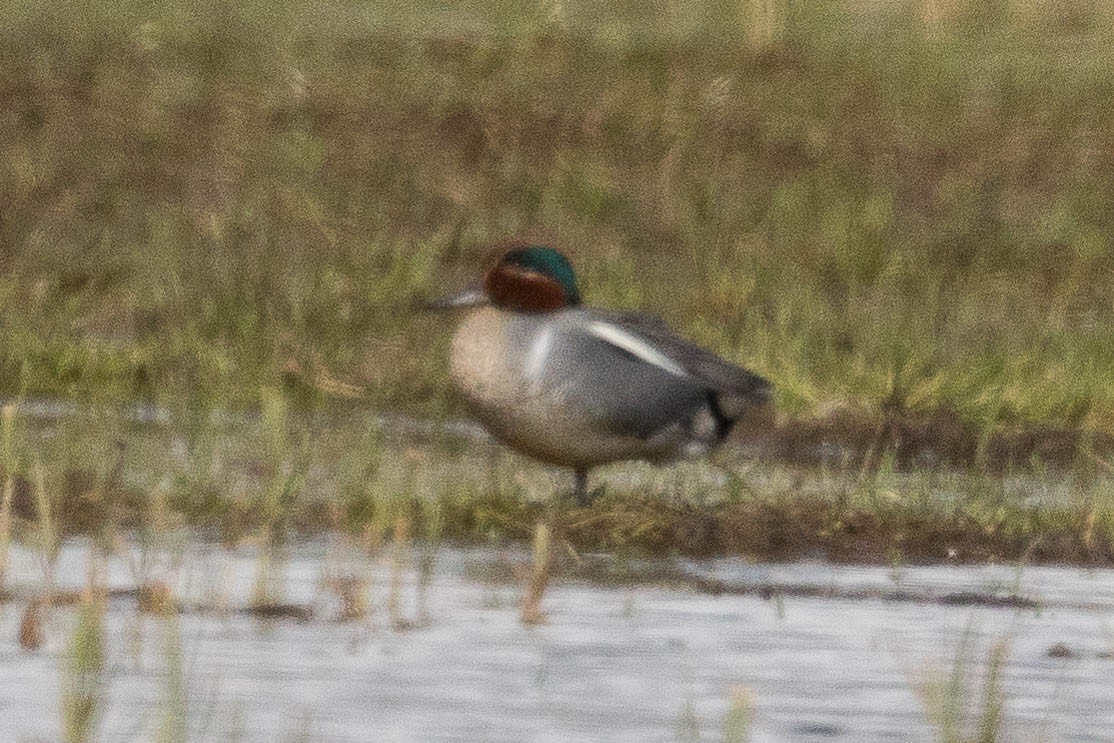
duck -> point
(580, 387)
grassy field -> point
(283, 477)
(898, 212)
(895, 211)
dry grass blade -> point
(736, 726)
(155, 597)
(31, 625)
(173, 728)
(400, 563)
(5, 529)
(84, 675)
(947, 701)
(765, 20)
(1106, 464)
(353, 593)
(993, 701)
(541, 572)
(8, 463)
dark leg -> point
(583, 497)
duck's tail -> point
(729, 405)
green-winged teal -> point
(578, 386)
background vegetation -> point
(882, 206)
(215, 218)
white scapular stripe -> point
(636, 346)
(539, 354)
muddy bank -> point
(865, 520)
(868, 527)
(857, 438)
(837, 488)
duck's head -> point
(535, 278)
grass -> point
(540, 573)
(173, 727)
(275, 500)
(948, 700)
(890, 210)
(84, 673)
(737, 722)
(10, 466)
(256, 481)
(897, 212)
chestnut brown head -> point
(532, 279)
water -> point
(832, 653)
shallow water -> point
(647, 660)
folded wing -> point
(735, 388)
(633, 376)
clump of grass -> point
(688, 726)
(155, 597)
(287, 467)
(948, 700)
(346, 578)
(353, 594)
(400, 563)
(9, 465)
(765, 22)
(740, 710)
(173, 727)
(84, 672)
(31, 634)
(48, 545)
(158, 555)
(433, 528)
(542, 570)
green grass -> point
(949, 700)
(10, 466)
(84, 673)
(173, 728)
(896, 212)
(286, 476)
(740, 711)
(881, 213)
